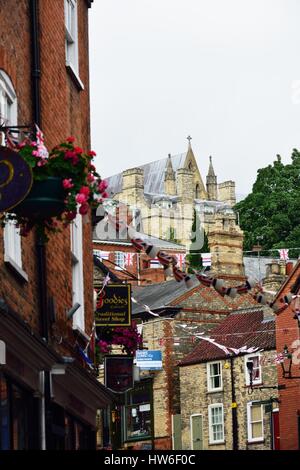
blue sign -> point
(149, 360)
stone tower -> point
(211, 183)
(227, 192)
(170, 180)
(225, 241)
(132, 186)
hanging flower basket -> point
(46, 199)
(65, 182)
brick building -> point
(126, 263)
(44, 79)
(288, 343)
(200, 307)
(220, 410)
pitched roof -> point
(154, 174)
(237, 330)
(157, 242)
(158, 295)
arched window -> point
(197, 191)
(190, 166)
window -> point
(120, 260)
(138, 421)
(8, 116)
(197, 191)
(256, 372)
(12, 244)
(8, 103)
(214, 377)
(255, 422)
(216, 423)
(71, 28)
(77, 271)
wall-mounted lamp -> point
(286, 367)
(72, 310)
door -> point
(177, 443)
(196, 432)
(275, 429)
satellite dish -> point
(15, 179)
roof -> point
(158, 295)
(154, 175)
(257, 267)
(158, 242)
(247, 328)
(173, 293)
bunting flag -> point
(284, 254)
(206, 259)
(85, 357)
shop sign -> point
(118, 373)
(113, 307)
(15, 179)
(149, 360)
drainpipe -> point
(235, 435)
(35, 62)
(45, 412)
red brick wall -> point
(287, 332)
(64, 112)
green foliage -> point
(194, 257)
(272, 210)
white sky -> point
(227, 72)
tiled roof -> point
(237, 330)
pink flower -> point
(42, 162)
(102, 186)
(70, 139)
(70, 215)
(78, 150)
(90, 178)
(67, 183)
(81, 198)
(33, 144)
(84, 208)
(35, 153)
(91, 153)
(84, 190)
(104, 195)
(92, 167)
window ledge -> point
(216, 443)
(216, 390)
(259, 441)
(13, 266)
(75, 77)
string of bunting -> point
(170, 265)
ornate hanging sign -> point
(15, 179)
(113, 306)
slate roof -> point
(237, 330)
(158, 242)
(169, 293)
(154, 174)
(158, 295)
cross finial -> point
(189, 138)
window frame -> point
(120, 266)
(71, 40)
(76, 233)
(211, 389)
(247, 358)
(249, 422)
(210, 424)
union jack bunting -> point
(129, 259)
(284, 253)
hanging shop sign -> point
(149, 360)
(113, 307)
(118, 373)
(15, 179)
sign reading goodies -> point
(15, 179)
(114, 306)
